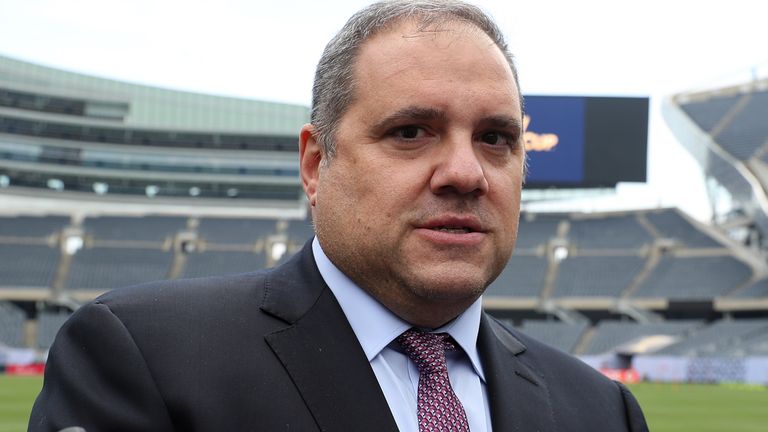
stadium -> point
(106, 184)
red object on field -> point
(27, 369)
(626, 376)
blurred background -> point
(148, 140)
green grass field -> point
(668, 407)
(17, 393)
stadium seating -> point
(537, 230)
(48, 324)
(299, 231)
(215, 263)
(748, 130)
(755, 290)
(709, 112)
(596, 276)
(558, 334)
(609, 334)
(155, 229)
(610, 232)
(31, 226)
(235, 231)
(11, 325)
(699, 278)
(719, 338)
(27, 265)
(104, 268)
(671, 224)
(522, 277)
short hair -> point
(334, 87)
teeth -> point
(452, 230)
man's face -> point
(419, 205)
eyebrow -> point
(420, 113)
(411, 113)
(503, 122)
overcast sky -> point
(268, 50)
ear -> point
(310, 157)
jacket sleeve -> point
(96, 378)
(635, 417)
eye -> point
(496, 138)
(409, 132)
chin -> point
(450, 289)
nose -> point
(459, 170)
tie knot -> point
(427, 350)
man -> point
(413, 166)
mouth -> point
(452, 224)
(452, 229)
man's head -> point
(334, 87)
(415, 182)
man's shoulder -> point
(178, 292)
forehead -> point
(412, 59)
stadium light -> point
(100, 188)
(151, 190)
(194, 191)
(279, 248)
(560, 253)
(55, 184)
(73, 244)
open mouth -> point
(452, 229)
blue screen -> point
(560, 119)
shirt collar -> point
(361, 309)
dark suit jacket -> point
(272, 351)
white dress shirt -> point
(376, 328)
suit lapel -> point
(518, 397)
(320, 351)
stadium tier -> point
(11, 325)
(75, 134)
(726, 132)
(563, 336)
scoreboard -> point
(581, 141)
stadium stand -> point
(614, 232)
(699, 278)
(755, 290)
(27, 265)
(216, 263)
(560, 335)
(48, 324)
(235, 231)
(299, 231)
(537, 230)
(747, 130)
(596, 276)
(143, 137)
(718, 338)
(522, 277)
(104, 268)
(31, 226)
(708, 113)
(11, 325)
(671, 224)
(155, 229)
(611, 334)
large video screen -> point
(580, 141)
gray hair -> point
(334, 87)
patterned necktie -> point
(438, 407)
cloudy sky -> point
(268, 50)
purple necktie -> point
(438, 407)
